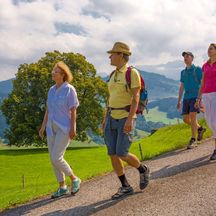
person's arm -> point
(197, 104)
(134, 105)
(72, 132)
(104, 119)
(43, 126)
(181, 90)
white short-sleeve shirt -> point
(59, 103)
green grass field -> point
(157, 116)
(32, 167)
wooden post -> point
(141, 154)
(23, 181)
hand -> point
(41, 132)
(178, 106)
(197, 104)
(72, 133)
(128, 126)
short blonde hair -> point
(65, 70)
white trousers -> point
(57, 145)
(209, 102)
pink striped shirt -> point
(210, 78)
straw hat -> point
(120, 47)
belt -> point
(127, 108)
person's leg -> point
(119, 170)
(60, 144)
(212, 119)
(132, 160)
(110, 138)
(122, 151)
(209, 103)
(186, 119)
(62, 190)
(50, 142)
(186, 111)
(207, 109)
(194, 125)
(117, 165)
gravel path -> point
(183, 183)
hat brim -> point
(186, 53)
(118, 51)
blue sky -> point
(157, 31)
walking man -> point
(119, 121)
(191, 78)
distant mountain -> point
(159, 86)
(5, 87)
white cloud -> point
(157, 31)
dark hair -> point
(213, 44)
(126, 57)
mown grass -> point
(157, 116)
(34, 166)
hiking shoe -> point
(192, 143)
(75, 186)
(60, 192)
(123, 192)
(201, 131)
(213, 157)
(144, 178)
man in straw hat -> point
(119, 123)
(191, 78)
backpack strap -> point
(195, 75)
(110, 76)
(128, 78)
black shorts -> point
(188, 106)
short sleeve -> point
(203, 68)
(72, 99)
(135, 79)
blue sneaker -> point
(75, 186)
(60, 192)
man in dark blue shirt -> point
(191, 78)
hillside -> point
(5, 87)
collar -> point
(62, 86)
(192, 67)
(123, 69)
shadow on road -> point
(168, 170)
(88, 209)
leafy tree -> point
(24, 108)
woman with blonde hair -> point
(60, 124)
(208, 92)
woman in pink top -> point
(208, 92)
